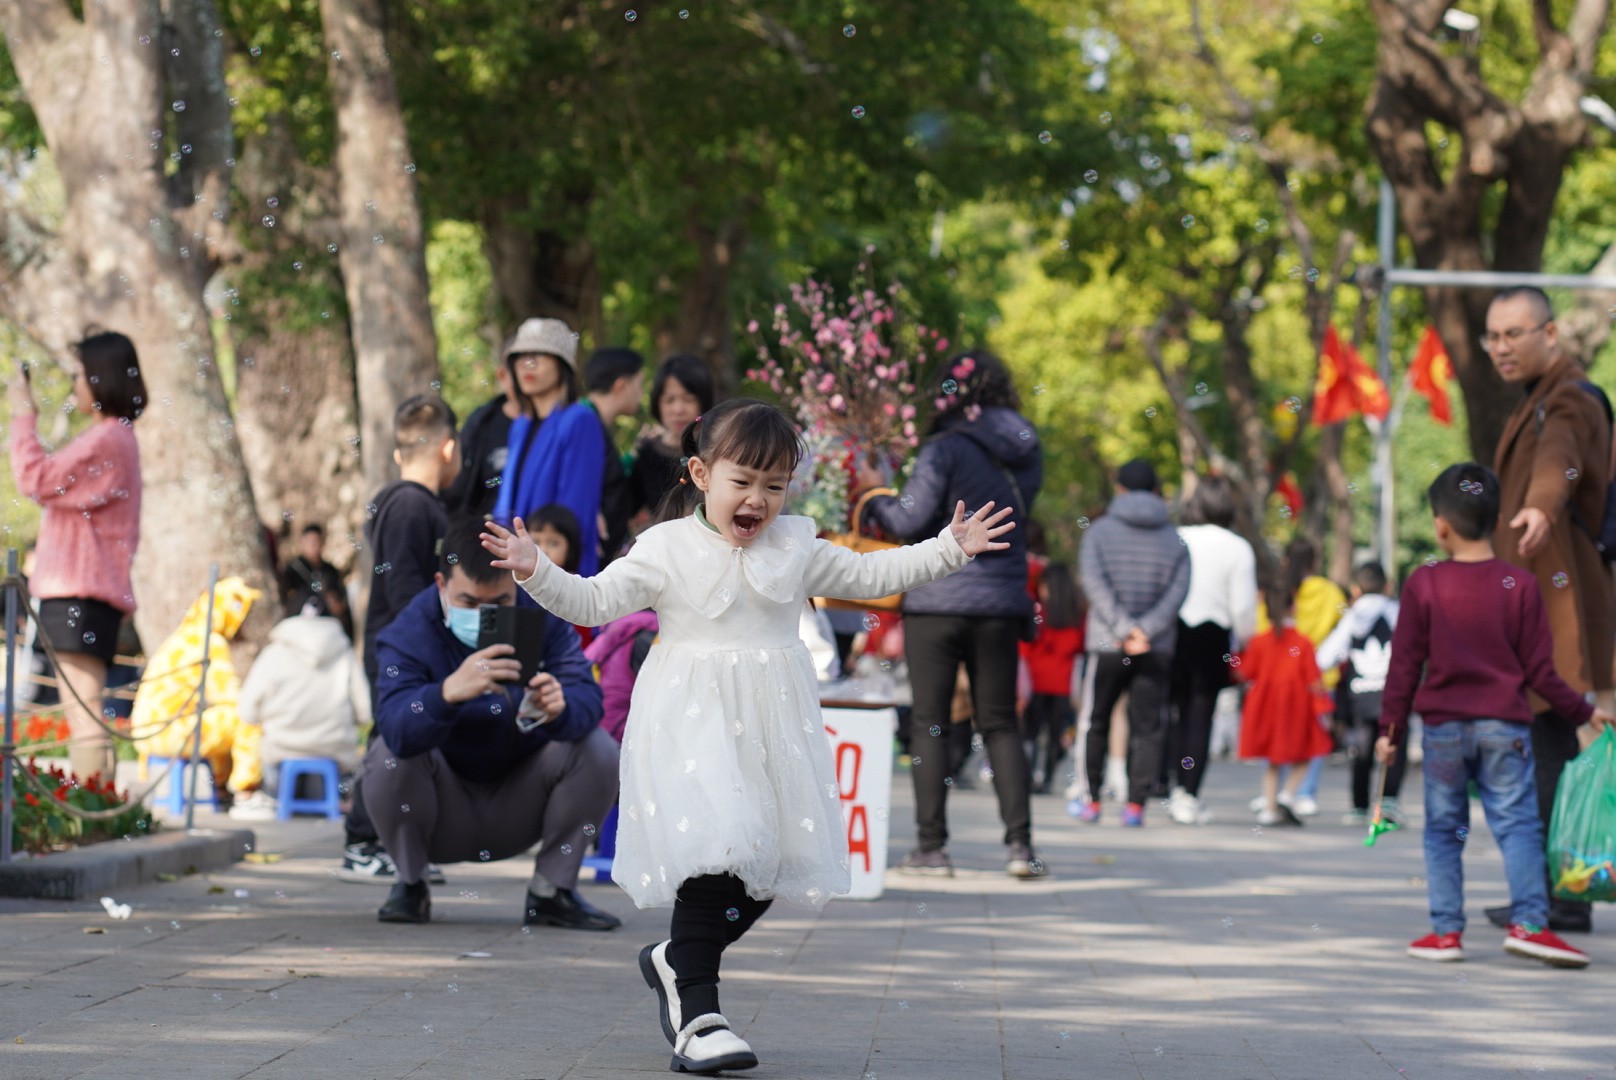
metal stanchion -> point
(201, 700)
(8, 748)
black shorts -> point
(81, 626)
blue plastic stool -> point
(601, 861)
(287, 803)
(173, 800)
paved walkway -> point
(1160, 952)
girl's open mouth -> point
(746, 525)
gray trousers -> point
(425, 812)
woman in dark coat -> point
(980, 450)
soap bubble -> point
(872, 621)
(858, 112)
(1045, 137)
(1561, 580)
(950, 386)
(484, 855)
(732, 914)
(1188, 763)
(1187, 220)
(849, 30)
(1509, 582)
(589, 830)
(566, 849)
(179, 106)
(631, 15)
(1091, 176)
(936, 730)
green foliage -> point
(462, 312)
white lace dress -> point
(725, 765)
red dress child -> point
(1279, 723)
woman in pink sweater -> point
(89, 491)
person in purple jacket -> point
(1474, 626)
(618, 651)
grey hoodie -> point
(1136, 572)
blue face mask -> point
(464, 623)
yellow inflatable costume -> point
(229, 745)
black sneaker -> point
(369, 864)
(1023, 864)
(407, 904)
(930, 863)
(1501, 917)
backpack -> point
(1604, 537)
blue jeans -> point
(1497, 755)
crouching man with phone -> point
(487, 748)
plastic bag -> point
(1582, 833)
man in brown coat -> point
(1553, 463)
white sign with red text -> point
(861, 743)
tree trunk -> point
(131, 253)
(383, 255)
(1422, 85)
(705, 324)
(298, 429)
(541, 274)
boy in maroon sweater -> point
(1475, 626)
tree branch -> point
(1585, 28)
(1168, 322)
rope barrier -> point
(11, 765)
(43, 639)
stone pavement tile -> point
(1239, 954)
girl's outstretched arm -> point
(632, 583)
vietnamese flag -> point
(1285, 487)
(1346, 386)
(1430, 374)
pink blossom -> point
(827, 383)
(940, 404)
(942, 346)
(752, 327)
(837, 403)
(909, 430)
(882, 371)
(907, 412)
(889, 409)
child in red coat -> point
(1050, 658)
(1281, 719)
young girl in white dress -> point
(728, 790)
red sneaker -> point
(1541, 943)
(1441, 947)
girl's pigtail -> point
(682, 498)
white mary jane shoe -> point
(659, 977)
(707, 1046)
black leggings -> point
(1049, 715)
(710, 914)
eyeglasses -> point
(1489, 342)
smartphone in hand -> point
(522, 628)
